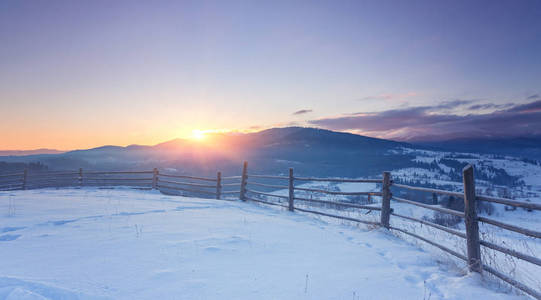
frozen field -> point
(127, 244)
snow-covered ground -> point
(521, 270)
(127, 244)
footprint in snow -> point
(411, 279)
(8, 229)
(9, 237)
(62, 222)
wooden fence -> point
(246, 187)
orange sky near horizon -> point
(84, 139)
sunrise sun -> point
(198, 135)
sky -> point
(81, 74)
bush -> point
(458, 204)
(444, 219)
(453, 203)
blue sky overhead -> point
(85, 73)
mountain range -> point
(309, 151)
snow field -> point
(127, 244)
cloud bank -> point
(432, 123)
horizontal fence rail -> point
(338, 193)
(336, 216)
(509, 202)
(186, 189)
(11, 175)
(427, 206)
(446, 249)
(337, 203)
(187, 177)
(338, 180)
(429, 190)
(431, 224)
(269, 185)
(293, 197)
(525, 231)
(266, 194)
(189, 184)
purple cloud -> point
(427, 123)
(489, 106)
(302, 112)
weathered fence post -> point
(386, 200)
(80, 177)
(243, 181)
(218, 185)
(25, 175)
(291, 191)
(472, 226)
(155, 179)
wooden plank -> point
(435, 208)
(353, 205)
(338, 193)
(184, 189)
(11, 175)
(230, 184)
(11, 189)
(51, 174)
(243, 183)
(230, 192)
(528, 232)
(472, 227)
(11, 180)
(71, 181)
(266, 202)
(336, 216)
(510, 202)
(116, 179)
(218, 185)
(532, 259)
(428, 223)
(267, 194)
(291, 191)
(231, 177)
(117, 172)
(7, 186)
(51, 179)
(428, 190)
(188, 177)
(155, 179)
(189, 184)
(386, 200)
(25, 176)
(452, 252)
(339, 179)
(269, 185)
(513, 282)
(267, 176)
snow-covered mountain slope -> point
(126, 244)
(496, 175)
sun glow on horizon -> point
(201, 135)
(198, 135)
